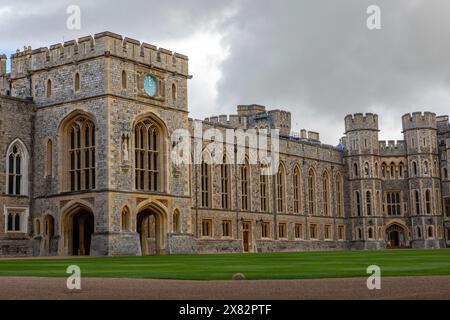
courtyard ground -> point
(428, 287)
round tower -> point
(420, 134)
(363, 165)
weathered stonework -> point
(100, 80)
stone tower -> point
(420, 134)
(93, 97)
(364, 186)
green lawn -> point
(303, 265)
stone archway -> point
(78, 227)
(396, 236)
(150, 225)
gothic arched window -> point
(366, 169)
(312, 191)
(225, 183)
(428, 201)
(49, 88)
(355, 169)
(205, 184)
(426, 168)
(77, 81)
(326, 193)
(49, 163)
(124, 79)
(417, 201)
(147, 145)
(244, 171)
(126, 219)
(280, 188)
(358, 203)
(174, 92)
(339, 195)
(297, 189)
(176, 221)
(17, 169)
(81, 154)
(369, 203)
(264, 190)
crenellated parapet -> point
(359, 121)
(105, 43)
(392, 148)
(443, 124)
(232, 120)
(419, 120)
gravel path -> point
(433, 287)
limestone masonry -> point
(85, 168)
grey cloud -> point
(314, 58)
(318, 59)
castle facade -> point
(86, 139)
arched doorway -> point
(78, 230)
(395, 236)
(49, 233)
(150, 226)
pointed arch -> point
(150, 146)
(358, 203)
(339, 195)
(368, 203)
(174, 92)
(225, 183)
(49, 162)
(176, 221)
(205, 178)
(78, 151)
(312, 191)
(77, 82)
(427, 201)
(326, 198)
(244, 177)
(17, 167)
(264, 188)
(49, 88)
(281, 187)
(297, 183)
(124, 79)
(126, 219)
(355, 170)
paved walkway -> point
(106, 288)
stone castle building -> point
(85, 169)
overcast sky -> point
(315, 58)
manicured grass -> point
(303, 265)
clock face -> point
(150, 85)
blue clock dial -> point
(150, 85)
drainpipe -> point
(196, 200)
(236, 191)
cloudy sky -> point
(315, 58)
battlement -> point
(443, 124)
(3, 59)
(419, 120)
(105, 43)
(246, 110)
(392, 147)
(359, 121)
(232, 120)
